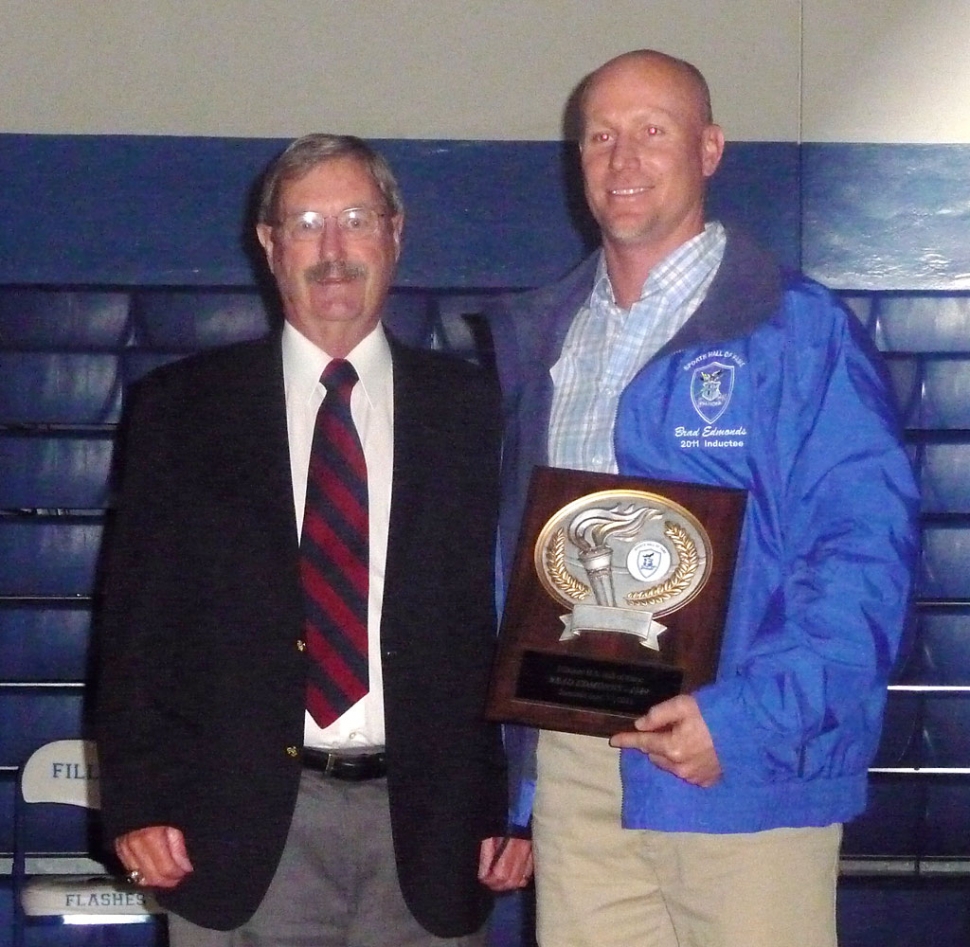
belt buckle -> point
(346, 766)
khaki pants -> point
(600, 885)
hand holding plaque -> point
(601, 559)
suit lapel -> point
(420, 438)
(267, 437)
(417, 440)
(258, 449)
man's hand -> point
(673, 734)
(157, 853)
(505, 864)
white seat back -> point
(64, 771)
(99, 899)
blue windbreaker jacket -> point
(772, 387)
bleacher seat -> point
(49, 555)
(941, 654)
(190, 320)
(31, 715)
(44, 641)
(916, 322)
(59, 388)
(56, 470)
(54, 319)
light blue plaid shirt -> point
(606, 346)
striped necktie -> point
(334, 554)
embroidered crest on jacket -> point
(711, 386)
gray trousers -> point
(336, 884)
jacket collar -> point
(745, 292)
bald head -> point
(685, 75)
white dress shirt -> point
(372, 408)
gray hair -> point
(304, 154)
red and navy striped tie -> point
(334, 554)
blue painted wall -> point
(887, 217)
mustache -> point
(335, 270)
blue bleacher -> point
(66, 356)
(918, 819)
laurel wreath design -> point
(560, 576)
(681, 579)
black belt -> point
(353, 767)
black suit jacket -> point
(201, 694)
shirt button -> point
(292, 752)
(300, 644)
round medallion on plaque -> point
(626, 549)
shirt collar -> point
(708, 245)
(304, 362)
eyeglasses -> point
(351, 221)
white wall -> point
(887, 71)
(476, 69)
(874, 70)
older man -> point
(296, 636)
(717, 820)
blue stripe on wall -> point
(887, 217)
(134, 210)
(130, 210)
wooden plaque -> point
(617, 601)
